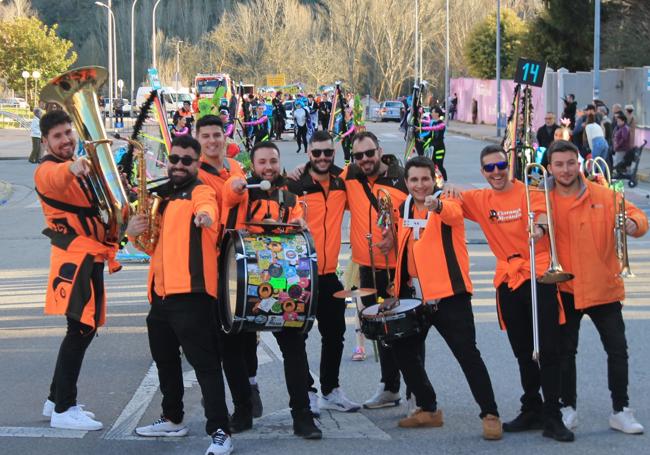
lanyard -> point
(413, 223)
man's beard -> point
(322, 172)
(374, 171)
(573, 182)
(180, 180)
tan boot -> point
(422, 419)
(492, 429)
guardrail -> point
(15, 117)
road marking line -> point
(40, 432)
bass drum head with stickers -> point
(267, 282)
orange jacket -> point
(216, 178)
(185, 258)
(325, 209)
(503, 217)
(590, 244)
(364, 215)
(440, 255)
(76, 234)
(257, 205)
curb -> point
(6, 190)
(460, 132)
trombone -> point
(595, 167)
(554, 274)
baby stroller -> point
(629, 166)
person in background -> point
(595, 137)
(35, 131)
(621, 138)
(180, 127)
(570, 109)
(546, 132)
(606, 124)
(631, 124)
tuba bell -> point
(76, 91)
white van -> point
(173, 99)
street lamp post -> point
(36, 75)
(153, 38)
(110, 54)
(499, 68)
(178, 67)
(447, 103)
(597, 50)
(133, 51)
(26, 76)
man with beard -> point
(585, 214)
(239, 351)
(502, 213)
(242, 205)
(77, 262)
(321, 188)
(433, 266)
(183, 287)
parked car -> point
(288, 122)
(390, 110)
(14, 102)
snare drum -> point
(407, 318)
(267, 282)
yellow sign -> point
(275, 79)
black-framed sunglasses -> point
(501, 165)
(359, 155)
(186, 160)
(317, 152)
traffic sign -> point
(276, 80)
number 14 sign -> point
(530, 72)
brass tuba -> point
(76, 91)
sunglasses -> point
(501, 165)
(359, 155)
(185, 159)
(317, 152)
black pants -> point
(187, 321)
(347, 148)
(389, 369)
(439, 159)
(608, 320)
(296, 368)
(233, 349)
(330, 314)
(301, 136)
(63, 389)
(454, 320)
(516, 311)
(278, 126)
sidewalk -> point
(487, 133)
(15, 144)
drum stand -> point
(355, 295)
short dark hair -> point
(491, 149)
(420, 161)
(263, 145)
(365, 135)
(186, 141)
(208, 120)
(53, 119)
(561, 146)
(619, 114)
(320, 136)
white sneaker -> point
(74, 419)
(624, 421)
(569, 417)
(221, 444)
(411, 407)
(162, 427)
(313, 404)
(48, 409)
(382, 398)
(337, 401)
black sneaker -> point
(554, 428)
(256, 402)
(304, 426)
(525, 421)
(240, 421)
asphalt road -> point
(118, 383)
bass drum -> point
(267, 282)
(407, 317)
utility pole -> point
(597, 50)
(178, 67)
(447, 69)
(499, 68)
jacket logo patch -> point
(504, 216)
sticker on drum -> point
(264, 290)
(295, 291)
(303, 264)
(258, 245)
(275, 321)
(276, 308)
(306, 296)
(267, 304)
(289, 306)
(283, 296)
(256, 308)
(252, 290)
(275, 247)
(300, 308)
(291, 316)
(290, 272)
(275, 270)
(254, 279)
(260, 319)
(265, 275)
(303, 273)
(264, 264)
(295, 279)
(278, 283)
(296, 324)
(304, 282)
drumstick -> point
(264, 185)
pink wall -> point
(485, 92)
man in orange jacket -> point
(502, 213)
(76, 282)
(238, 351)
(182, 291)
(323, 191)
(584, 215)
(241, 205)
(433, 266)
